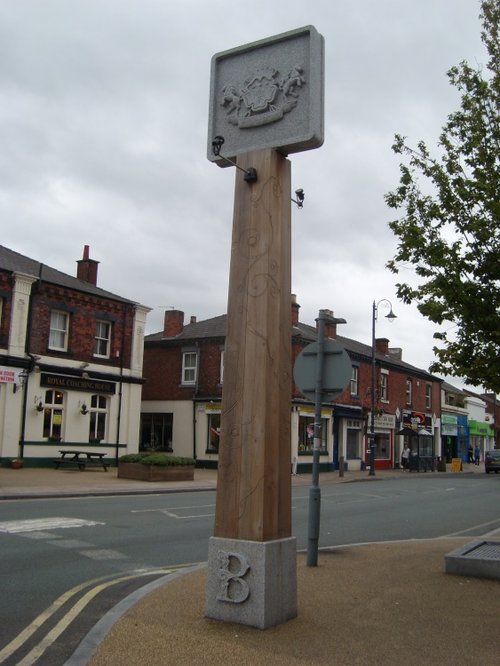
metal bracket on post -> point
(250, 173)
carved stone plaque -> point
(268, 94)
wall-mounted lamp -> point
(250, 173)
(22, 377)
(39, 406)
(83, 409)
(300, 198)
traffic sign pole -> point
(326, 366)
(315, 490)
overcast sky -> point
(103, 134)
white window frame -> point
(100, 338)
(99, 409)
(384, 385)
(56, 330)
(354, 383)
(189, 370)
(53, 414)
(409, 391)
(221, 367)
(428, 396)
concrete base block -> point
(478, 558)
(252, 582)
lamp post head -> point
(391, 316)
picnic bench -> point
(81, 459)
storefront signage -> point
(8, 375)
(77, 383)
(414, 420)
(385, 421)
(305, 410)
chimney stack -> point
(173, 323)
(330, 326)
(382, 345)
(87, 268)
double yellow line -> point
(97, 585)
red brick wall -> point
(84, 310)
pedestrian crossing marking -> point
(37, 524)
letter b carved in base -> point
(233, 588)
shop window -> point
(306, 434)
(156, 431)
(213, 433)
(53, 415)
(353, 444)
(98, 418)
(382, 446)
(59, 328)
(102, 342)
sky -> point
(103, 140)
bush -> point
(160, 459)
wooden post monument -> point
(266, 101)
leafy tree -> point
(450, 228)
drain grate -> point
(479, 558)
(485, 551)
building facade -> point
(71, 359)
(184, 373)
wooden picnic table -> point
(81, 458)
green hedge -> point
(160, 459)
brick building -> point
(70, 361)
(184, 372)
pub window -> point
(102, 340)
(53, 414)
(213, 433)
(306, 434)
(156, 431)
(59, 328)
(98, 417)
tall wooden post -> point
(252, 570)
(253, 490)
(266, 101)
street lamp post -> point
(391, 317)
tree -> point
(450, 228)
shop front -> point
(384, 441)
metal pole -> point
(315, 491)
(373, 389)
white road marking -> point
(171, 514)
(103, 554)
(71, 543)
(35, 525)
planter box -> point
(141, 472)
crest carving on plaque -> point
(265, 97)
